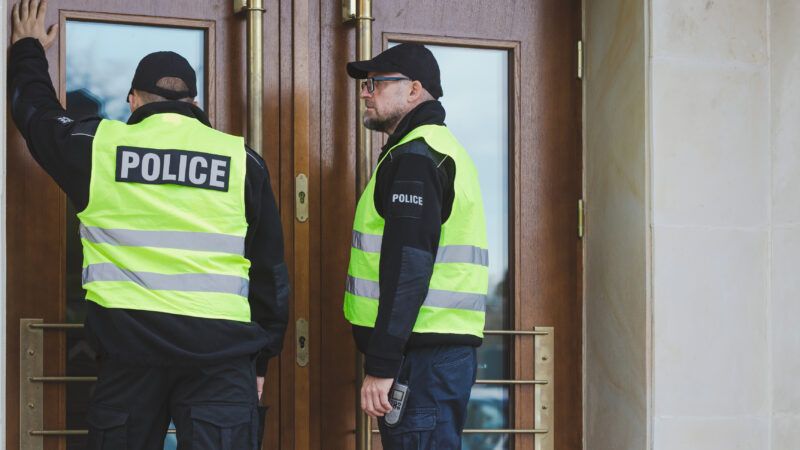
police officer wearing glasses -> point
(183, 255)
(418, 276)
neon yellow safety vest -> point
(165, 225)
(456, 299)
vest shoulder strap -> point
(418, 147)
(85, 127)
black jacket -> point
(410, 242)
(61, 142)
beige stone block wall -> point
(785, 223)
(710, 134)
(726, 186)
(710, 327)
(717, 94)
(712, 232)
(616, 397)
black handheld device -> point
(398, 396)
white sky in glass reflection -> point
(102, 57)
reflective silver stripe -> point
(463, 254)
(189, 282)
(363, 288)
(455, 300)
(470, 254)
(436, 298)
(184, 240)
(367, 242)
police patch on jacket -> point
(181, 167)
(406, 199)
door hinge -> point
(580, 59)
(581, 218)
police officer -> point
(418, 276)
(183, 252)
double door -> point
(509, 72)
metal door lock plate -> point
(301, 197)
(302, 342)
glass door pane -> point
(101, 58)
(476, 98)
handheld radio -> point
(398, 397)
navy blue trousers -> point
(440, 380)
(214, 407)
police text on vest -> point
(407, 198)
(181, 167)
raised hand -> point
(27, 20)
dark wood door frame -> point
(546, 171)
(35, 222)
(309, 128)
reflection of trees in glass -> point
(102, 58)
(493, 355)
(496, 318)
(82, 103)
(97, 85)
(488, 406)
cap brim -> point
(360, 69)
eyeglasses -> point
(369, 83)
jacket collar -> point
(182, 108)
(427, 113)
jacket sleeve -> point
(409, 196)
(59, 142)
(269, 278)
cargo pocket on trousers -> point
(415, 431)
(223, 427)
(107, 428)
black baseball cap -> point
(158, 65)
(412, 60)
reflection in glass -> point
(476, 94)
(102, 57)
(101, 60)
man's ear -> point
(132, 102)
(416, 91)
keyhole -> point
(302, 342)
(302, 196)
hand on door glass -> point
(375, 395)
(260, 386)
(27, 19)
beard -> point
(382, 124)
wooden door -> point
(43, 249)
(309, 129)
(537, 42)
